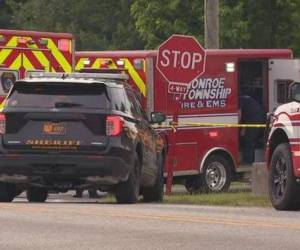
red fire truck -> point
(22, 52)
(205, 145)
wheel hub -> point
(280, 177)
(215, 176)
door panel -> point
(186, 157)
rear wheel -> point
(7, 192)
(283, 188)
(128, 191)
(35, 194)
(216, 174)
(156, 192)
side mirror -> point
(295, 91)
(157, 117)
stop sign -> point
(181, 59)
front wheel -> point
(283, 188)
(216, 174)
(35, 194)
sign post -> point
(180, 60)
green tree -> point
(260, 24)
(233, 24)
(271, 22)
(137, 24)
(97, 25)
(5, 16)
(156, 20)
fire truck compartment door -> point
(186, 158)
(282, 72)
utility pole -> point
(211, 24)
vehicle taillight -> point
(114, 125)
(2, 123)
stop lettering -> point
(181, 59)
(185, 60)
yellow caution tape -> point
(231, 125)
(173, 125)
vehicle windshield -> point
(59, 95)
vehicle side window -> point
(282, 90)
(118, 99)
(132, 103)
(140, 107)
(136, 105)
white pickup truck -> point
(283, 153)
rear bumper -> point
(101, 169)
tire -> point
(216, 174)
(7, 192)
(283, 188)
(35, 194)
(156, 192)
(193, 184)
(127, 192)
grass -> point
(221, 199)
(239, 195)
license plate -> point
(52, 128)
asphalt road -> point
(66, 223)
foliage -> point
(138, 24)
(97, 25)
(233, 24)
(156, 20)
(5, 15)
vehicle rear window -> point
(64, 95)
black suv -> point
(80, 131)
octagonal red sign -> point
(181, 59)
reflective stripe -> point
(17, 63)
(217, 118)
(127, 65)
(80, 64)
(27, 64)
(4, 53)
(135, 76)
(59, 56)
(99, 61)
(40, 56)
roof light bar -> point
(86, 76)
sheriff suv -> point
(82, 130)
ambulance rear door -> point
(282, 72)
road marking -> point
(161, 217)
